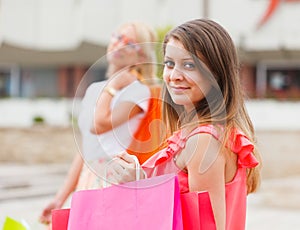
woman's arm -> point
(206, 172)
(71, 179)
(64, 192)
(105, 118)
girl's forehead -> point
(175, 48)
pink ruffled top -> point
(162, 162)
(236, 190)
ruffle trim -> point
(240, 145)
(244, 149)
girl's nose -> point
(176, 75)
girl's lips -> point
(179, 89)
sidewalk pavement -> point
(26, 189)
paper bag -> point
(197, 213)
(60, 219)
(147, 204)
(11, 224)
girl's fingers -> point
(122, 171)
(118, 167)
(127, 157)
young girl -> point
(212, 146)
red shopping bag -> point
(60, 218)
(147, 204)
(197, 213)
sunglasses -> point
(129, 43)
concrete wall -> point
(265, 114)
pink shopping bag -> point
(152, 203)
(197, 213)
(60, 219)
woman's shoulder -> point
(136, 89)
(95, 88)
(137, 85)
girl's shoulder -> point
(213, 130)
(237, 142)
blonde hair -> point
(145, 37)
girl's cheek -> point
(166, 75)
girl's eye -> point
(169, 64)
(189, 65)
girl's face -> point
(123, 49)
(185, 83)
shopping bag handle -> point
(137, 167)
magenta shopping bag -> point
(152, 203)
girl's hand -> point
(123, 169)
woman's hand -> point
(45, 217)
(121, 80)
(123, 169)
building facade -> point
(47, 47)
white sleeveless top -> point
(115, 141)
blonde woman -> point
(111, 110)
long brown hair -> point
(210, 45)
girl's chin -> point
(183, 102)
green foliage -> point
(73, 120)
(38, 120)
(161, 32)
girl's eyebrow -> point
(187, 58)
(183, 59)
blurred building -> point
(46, 46)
